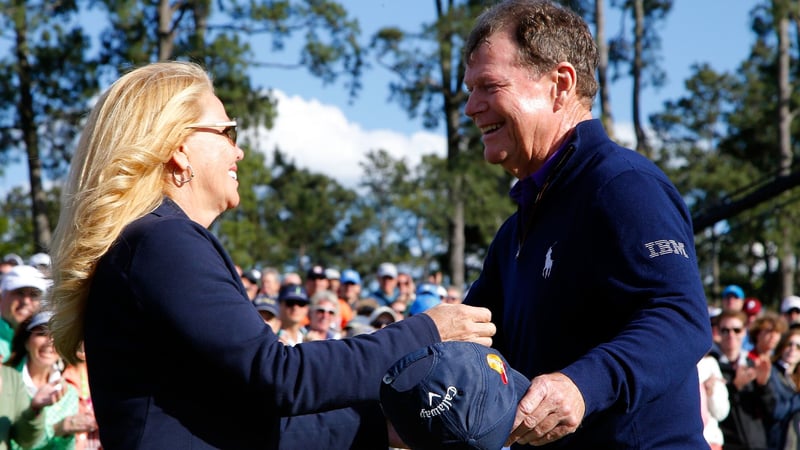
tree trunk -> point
(785, 145)
(27, 124)
(165, 35)
(602, 68)
(636, 71)
(452, 113)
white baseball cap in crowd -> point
(24, 276)
(790, 302)
(387, 269)
(13, 259)
(40, 259)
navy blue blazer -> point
(179, 358)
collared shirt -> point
(524, 192)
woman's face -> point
(791, 353)
(213, 157)
(41, 352)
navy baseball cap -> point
(456, 395)
(292, 292)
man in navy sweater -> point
(593, 282)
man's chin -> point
(494, 156)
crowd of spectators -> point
(754, 356)
(748, 381)
(48, 405)
(328, 303)
(44, 404)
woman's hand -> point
(47, 395)
(463, 323)
(78, 423)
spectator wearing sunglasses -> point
(785, 381)
(140, 278)
(752, 399)
(293, 311)
(323, 317)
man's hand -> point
(463, 323)
(763, 369)
(552, 408)
(744, 375)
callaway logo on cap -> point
(453, 395)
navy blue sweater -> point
(178, 357)
(606, 290)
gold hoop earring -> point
(179, 179)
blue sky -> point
(324, 132)
(714, 31)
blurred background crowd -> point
(47, 404)
(748, 380)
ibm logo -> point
(666, 247)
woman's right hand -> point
(463, 323)
(47, 395)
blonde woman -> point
(177, 355)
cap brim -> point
(521, 383)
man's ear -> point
(566, 83)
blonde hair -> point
(119, 173)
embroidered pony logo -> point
(548, 262)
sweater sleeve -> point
(28, 426)
(181, 275)
(650, 270)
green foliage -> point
(720, 144)
(46, 82)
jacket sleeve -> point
(181, 275)
(719, 404)
(787, 403)
(650, 269)
(28, 426)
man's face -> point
(732, 333)
(316, 284)
(511, 106)
(732, 303)
(19, 304)
(270, 284)
(388, 284)
(350, 291)
(453, 296)
(792, 315)
(404, 283)
(293, 311)
(322, 316)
